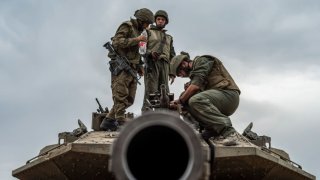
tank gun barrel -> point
(157, 145)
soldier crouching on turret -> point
(211, 97)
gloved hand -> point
(155, 55)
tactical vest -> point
(132, 52)
(219, 77)
(159, 41)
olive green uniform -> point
(218, 98)
(123, 85)
(157, 70)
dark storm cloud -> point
(258, 32)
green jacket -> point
(208, 72)
(159, 41)
(124, 43)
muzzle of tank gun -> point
(157, 145)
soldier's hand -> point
(173, 105)
(141, 72)
(155, 55)
(141, 38)
(171, 78)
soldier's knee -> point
(194, 100)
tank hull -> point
(252, 162)
(86, 158)
(89, 157)
(158, 145)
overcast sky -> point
(53, 65)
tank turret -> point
(159, 144)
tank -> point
(159, 144)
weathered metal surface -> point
(86, 158)
(251, 162)
(89, 156)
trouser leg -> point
(212, 109)
(123, 92)
(151, 82)
(163, 74)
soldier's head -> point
(181, 65)
(144, 17)
(161, 18)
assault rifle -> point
(120, 63)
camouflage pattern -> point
(144, 15)
(124, 86)
(219, 96)
(124, 42)
(157, 72)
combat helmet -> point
(163, 14)
(144, 15)
(176, 61)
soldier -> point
(160, 51)
(211, 97)
(123, 85)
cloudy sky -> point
(53, 65)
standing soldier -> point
(124, 85)
(160, 51)
(211, 97)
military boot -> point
(122, 120)
(207, 134)
(109, 124)
(231, 139)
